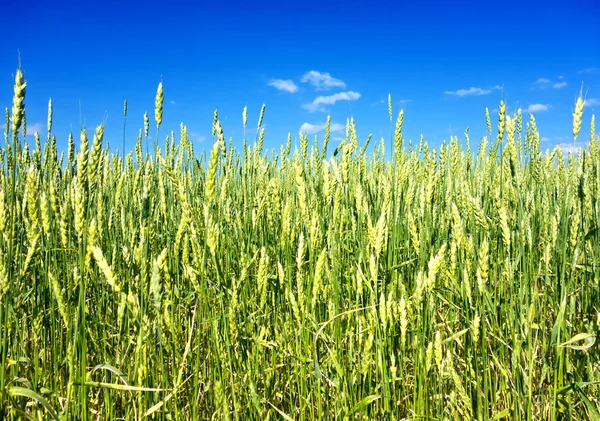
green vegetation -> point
(440, 283)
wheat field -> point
(457, 282)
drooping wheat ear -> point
(262, 114)
(390, 106)
(577, 117)
(158, 105)
(398, 132)
(105, 268)
(146, 125)
(18, 109)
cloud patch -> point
(308, 128)
(591, 102)
(574, 149)
(544, 83)
(322, 81)
(468, 92)
(284, 85)
(318, 102)
(589, 70)
(36, 128)
(537, 108)
(197, 138)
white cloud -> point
(316, 128)
(172, 102)
(592, 102)
(561, 77)
(197, 138)
(37, 127)
(589, 70)
(537, 108)
(545, 139)
(322, 81)
(470, 91)
(284, 85)
(570, 148)
(543, 81)
(497, 87)
(559, 85)
(316, 105)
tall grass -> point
(440, 283)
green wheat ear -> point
(158, 105)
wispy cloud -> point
(197, 138)
(37, 127)
(537, 108)
(172, 102)
(284, 85)
(545, 139)
(589, 70)
(316, 128)
(470, 91)
(591, 102)
(317, 104)
(544, 83)
(322, 81)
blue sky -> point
(443, 61)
